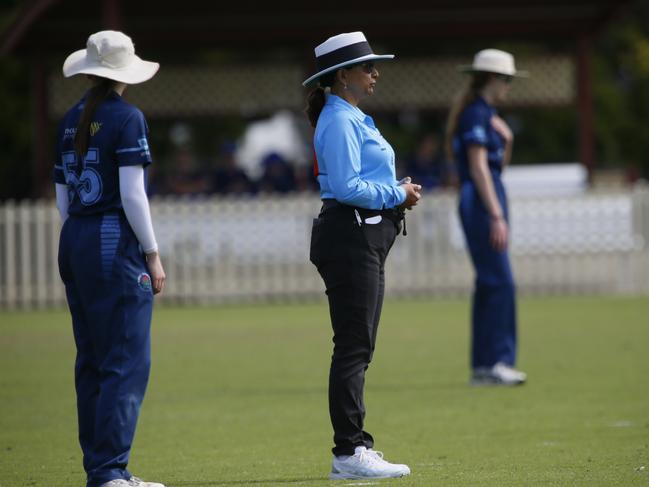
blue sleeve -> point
(133, 145)
(473, 126)
(58, 174)
(341, 150)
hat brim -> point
(468, 68)
(369, 57)
(136, 72)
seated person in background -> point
(184, 175)
(278, 176)
(155, 181)
(427, 165)
(228, 177)
(305, 179)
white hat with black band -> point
(340, 51)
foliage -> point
(621, 90)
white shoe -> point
(136, 482)
(132, 482)
(499, 374)
(364, 464)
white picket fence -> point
(219, 250)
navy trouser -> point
(494, 301)
(350, 257)
(110, 298)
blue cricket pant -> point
(494, 302)
(110, 299)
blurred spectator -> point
(228, 177)
(279, 134)
(184, 176)
(427, 165)
(154, 180)
(278, 175)
(305, 180)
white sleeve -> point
(136, 206)
(62, 202)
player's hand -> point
(413, 195)
(501, 127)
(499, 233)
(157, 272)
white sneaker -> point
(136, 482)
(364, 464)
(499, 374)
(132, 482)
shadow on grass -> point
(212, 483)
(308, 391)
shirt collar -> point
(338, 102)
(113, 94)
(482, 101)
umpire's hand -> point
(413, 195)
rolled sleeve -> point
(401, 196)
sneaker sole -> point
(348, 476)
(494, 382)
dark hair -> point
(316, 99)
(98, 93)
(478, 81)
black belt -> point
(394, 214)
(329, 203)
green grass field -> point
(238, 397)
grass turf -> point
(237, 396)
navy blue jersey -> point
(118, 137)
(474, 128)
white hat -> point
(110, 54)
(342, 50)
(494, 61)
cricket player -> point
(108, 255)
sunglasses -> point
(365, 67)
(505, 77)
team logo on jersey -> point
(144, 146)
(95, 127)
(144, 282)
(479, 133)
(69, 133)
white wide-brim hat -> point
(110, 54)
(340, 51)
(494, 61)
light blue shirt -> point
(355, 163)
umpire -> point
(362, 213)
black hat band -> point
(346, 53)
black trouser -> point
(350, 256)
